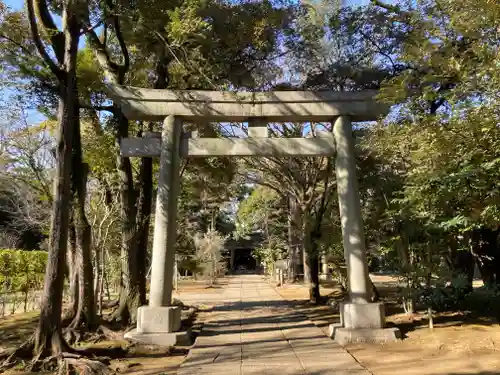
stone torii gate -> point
(160, 322)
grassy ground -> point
(459, 344)
(140, 360)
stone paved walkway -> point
(255, 331)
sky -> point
(14, 4)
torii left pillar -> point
(159, 322)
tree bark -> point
(313, 286)
(48, 338)
(296, 238)
(99, 279)
(311, 249)
(72, 272)
(143, 220)
(292, 268)
(129, 291)
(86, 314)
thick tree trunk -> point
(143, 220)
(129, 293)
(48, 336)
(313, 266)
(135, 233)
(296, 238)
(311, 262)
(86, 314)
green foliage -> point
(269, 253)
(483, 300)
(450, 168)
(450, 52)
(456, 295)
(22, 271)
(261, 210)
(446, 297)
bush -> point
(21, 271)
(446, 297)
(484, 300)
(459, 296)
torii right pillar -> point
(360, 319)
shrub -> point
(484, 300)
(21, 271)
(446, 297)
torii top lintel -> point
(279, 106)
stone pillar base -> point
(161, 319)
(326, 277)
(159, 326)
(362, 322)
(362, 315)
(160, 339)
(345, 336)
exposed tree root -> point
(67, 317)
(120, 315)
(110, 304)
(110, 334)
(74, 361)
(13, 356)
(71, 363)
(73, 336)
(83, 366)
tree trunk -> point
(306, 251)
(129, 291)
(313, 267)
(296, 235)
(99, 280)
(72, 272)
(484, 248)
(409, 298)
(461, 262)
(311, 259)
(48, 338)
(292, 267)
(86, 314)
(143, 222)
(375, 296)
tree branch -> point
(109, 108)
(91, 28)
(391, 8)
(23, 48)
(54, 67)
(121, 41)
(50, 27)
